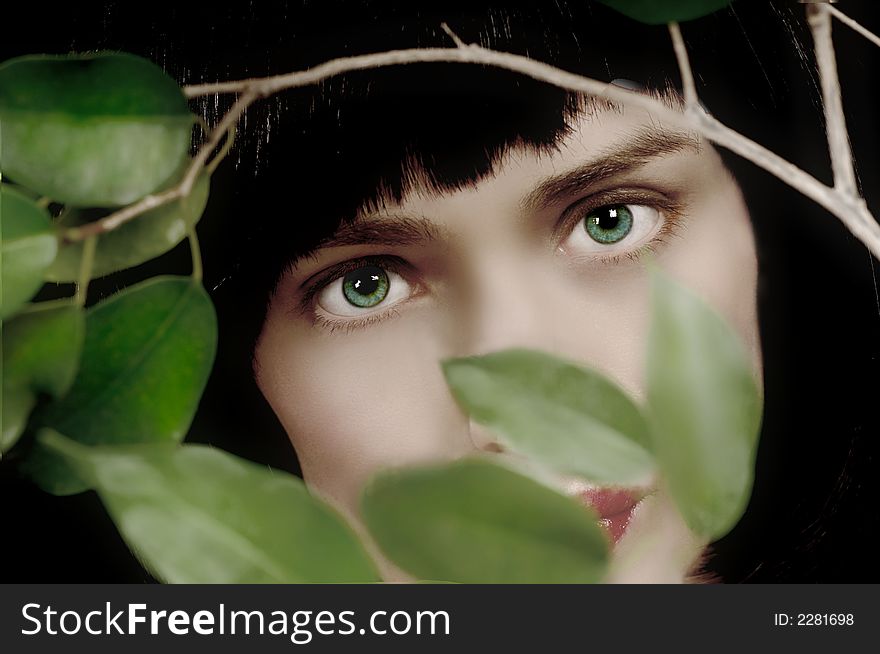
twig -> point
(835, 124)
(85, 271)
(452, 35)
(846, 206)
(851, 211)
(849, 22)
(684, 66)
(182, 189)
(221, 155)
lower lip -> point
(615, 509)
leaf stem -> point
(196, 251)
(85, 270)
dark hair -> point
(309, 159)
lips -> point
(614, 506)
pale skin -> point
(506, 263)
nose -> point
(507, 300)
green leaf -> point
(567, 417)
(473, 521)
(16, 407)
(101, 129)
(41, 350)
(28, 244)
(195, 514)
(705, 409)
(146, 359)
(657, 12)
(139, 240)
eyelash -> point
(671, 213)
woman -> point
(402, 216)
(426, 241)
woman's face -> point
(546, 253)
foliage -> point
(653, 12)
(568, 417)
(67, 138)
(101, 398)
(704, 408)
(28, 247)
(474, 521)
(195, 514)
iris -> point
(609, 224)
(365, 287)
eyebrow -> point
(647, 144)
(379, 229)
(399, 230)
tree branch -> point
(835, 124)
(684, 66)
(849, 22)
(845, 205)
(182, 189)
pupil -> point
(608, 219)
(366, 280)
(610, 224)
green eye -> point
(609, 224)
(365, 287)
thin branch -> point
(452, 35)
(835, 124)
(221, 155)
(848, 207)
(684, 66)
(849, 22)
(85, 271)
(850, 210)
(182, 189)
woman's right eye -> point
(362, 291)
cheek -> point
(716, 258)
(354, 403)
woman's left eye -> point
(613, 229)
(359, 290)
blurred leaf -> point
(705, 409)
(139, 240)
(195, 514)
(41, 350)
(568, 417)
(654, 12)
(101, 129)
(473, 521)
(28, 244)
(147, 355)
(16, 407)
